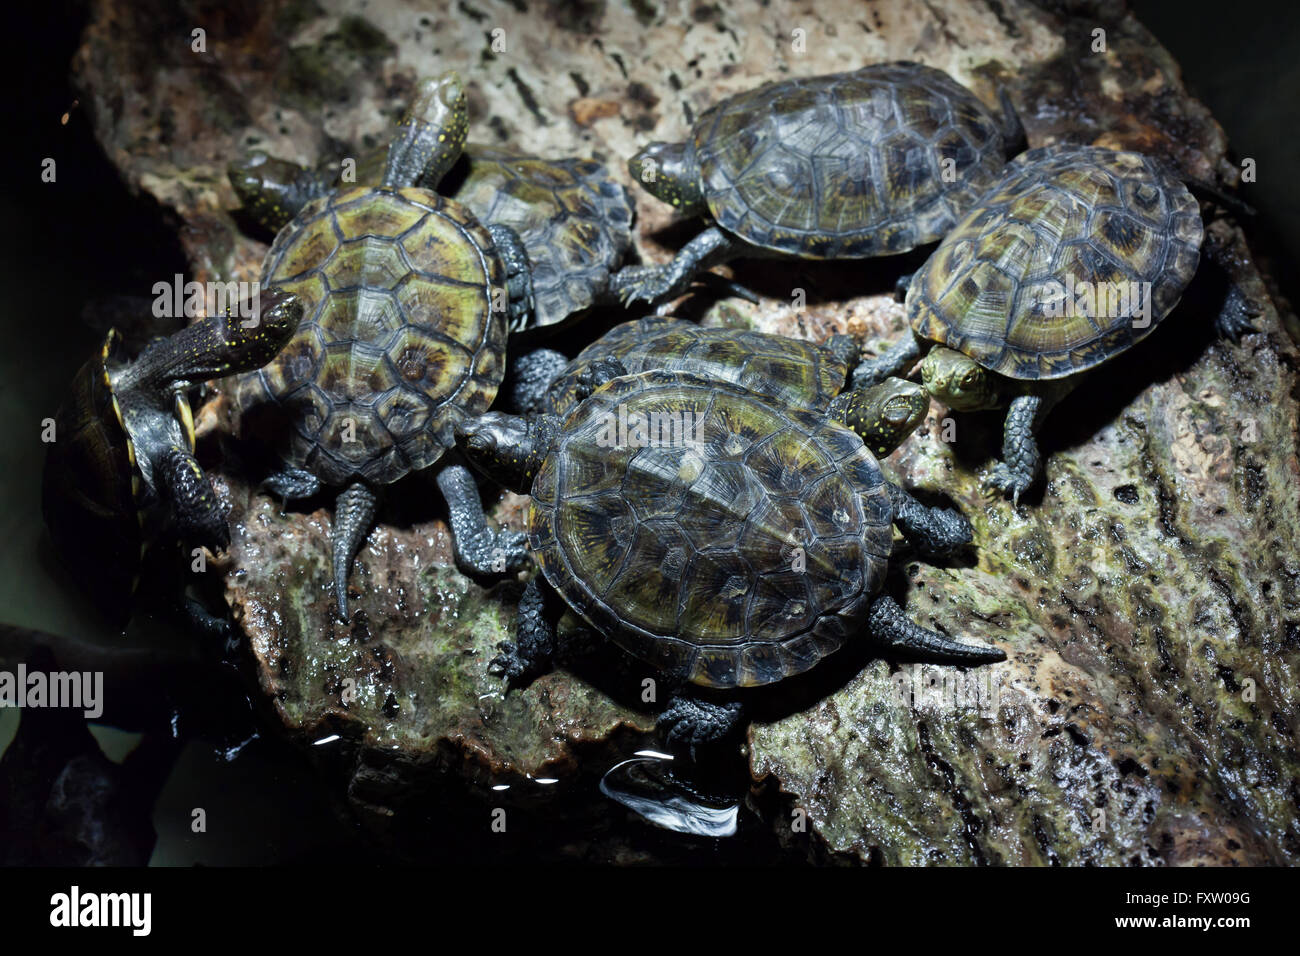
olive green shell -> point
(399, 338)
(849, 165)
(685, 553)
(791, 371)
(1060, 213)
(575, 222)
(94, 497)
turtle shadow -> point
(784, 278)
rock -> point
(1146, 598)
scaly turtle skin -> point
(732, 544)
(122, 464)
(997, 305)
(789, 372)
(846, 166)
(403, 336)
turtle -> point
(408, 300)
(1000, 309)
(726, 540)
(789, 371)
(121, 468)
(573, 220)
(874, 162)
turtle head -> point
(958, 380)
(431, 134)
(883, 415)
(668, 172)
(271, 190)
(235, 341)
(509, 449)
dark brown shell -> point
(849, 165)
(1078, 213)
(793, 372)
(399, 340)
(574, 221)
(684, 554)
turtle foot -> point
(689, 724)
(1236, 318)
(292, 484)
(1002, 480)
(648, 284)
(491, 554)
(597, 374)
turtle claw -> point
(491, 554)
(648, 284)
(690, 724)
(1002, 481)
(508, 664)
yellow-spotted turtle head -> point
(668, 172)
(882, 415)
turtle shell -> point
(792, 372)
(1005, 286)
(848, 165)
(399, 338)
(95, 497)
(683, 545)
(575, 222)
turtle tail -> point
(354, 513)
(889, 625)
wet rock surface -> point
(1145, 595)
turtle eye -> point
(969, 378)
(896, 416)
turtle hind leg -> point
(692, 724)
(354, 514)
(290, 484)
(597, 374)
(534, 645)
(887, 623)
(477, 548)
(199, 515)
(529, 377)
(934, 532)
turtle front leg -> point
(934, 532)
(1021, 459)
(691, 723)
(895, 360)
(199, 515)
(888, 624)
(654, 284)
(478, 549)
(533, 648)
